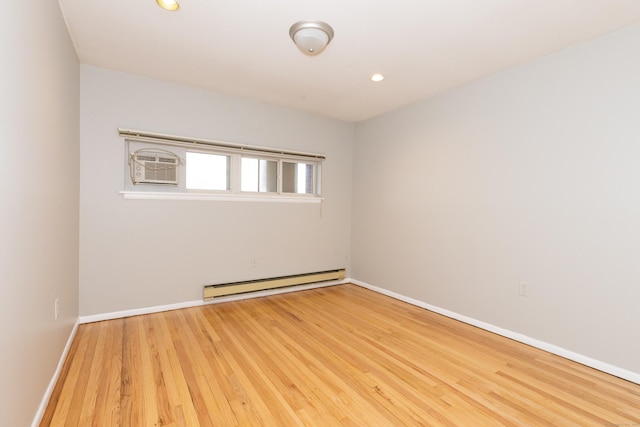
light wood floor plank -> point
(341, 355)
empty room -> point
(320, 213)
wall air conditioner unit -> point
(154, 168)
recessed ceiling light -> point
(377, 77)
(171, 5)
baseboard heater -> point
(224, 289)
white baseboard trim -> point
(157, 309)
(551, 348)
(52, 384)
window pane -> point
(207, 171)
(268, 176)
(259, 175)
(297, 178)
(249, 179)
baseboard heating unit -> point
(224, 289)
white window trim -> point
(235, 151)
(225, 197)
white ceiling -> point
(242, 47)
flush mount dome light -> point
(171, 5)
(311, 37)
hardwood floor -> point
(333, 356)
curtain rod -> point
(228, 145)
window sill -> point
(148, 195)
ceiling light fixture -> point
(377, 77)
(171, 5)
(311, 37)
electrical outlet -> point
(523, 289)
(56, 309)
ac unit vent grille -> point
(154, 173)
(146, 158)
(155, 168)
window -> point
(221, 169)
(297, 178)
(259, 175)
(207, 171)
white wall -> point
(145, 253)
(530, 175)
(39, 117)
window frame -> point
(314, 176)
(235, 152)
(278, 174)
